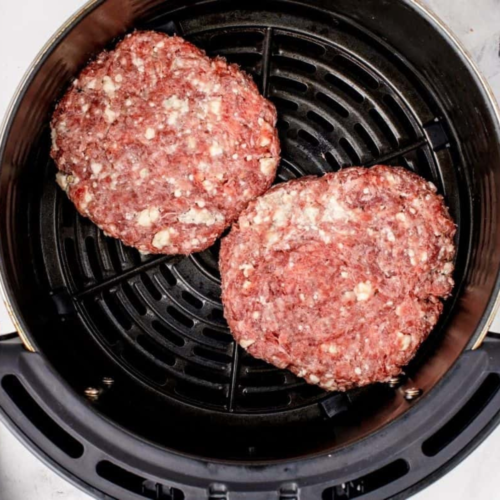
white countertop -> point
(25, 26)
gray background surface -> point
(25, 25)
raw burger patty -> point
(339, 278)
(161, 146)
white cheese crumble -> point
(247, 269)
(172, 118)
(108, 86)
(109, 114)
(334, 210)
(96, 168)
(200, 216)
(246, 343)
(138, 63)
(363, 291)
(405, 341)
(150, 133)
(264, 141)
(448, 268)
(182, 105)
(215, 149)
(215, 106)
(267, 165)
(62, 180)
(161, 238)
(148, 216)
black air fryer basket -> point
(127, 380)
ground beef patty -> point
(161, 146)
(339, 278)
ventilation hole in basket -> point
(332, 104)
(283, 125)
(284, 104)
(217, 315)
(204, 393)
(150, 287)
(367, 140)
(332, 161)
(181, 318)
(143, 365)
(72, 262)
(262, 400)
(255, 363)
(353, 69)
(288, 84)
(384, 128)
(247, 60)
(366, 484)
(93, 258)
(134, 300)
(40, 419)
(117, 310)
(347, 147)
(156, 350)
(212, 355)
(112, 247)
(107, 330)
(136, 484)
(295, 44)
(465, 416)
(167, 333)
(308, 137)
(67, 212)
(344, 87)
(308, 391)
(319, 120)
(265, 379)
(204, 374)
(426, 171)
(192, 300)
(288, 63)
(168, 275)
(132, 254)
(218, 335)
(400, 115)
(236, 39)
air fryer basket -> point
(174, 408)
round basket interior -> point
(355, 83)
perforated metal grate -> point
(343, 99)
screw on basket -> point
(108, 381)
(92, 393)
(412, 393)
(395, 381)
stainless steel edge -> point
(3, 131)
(495, 106)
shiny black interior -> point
(355, 83)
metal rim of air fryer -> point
(82, 440)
